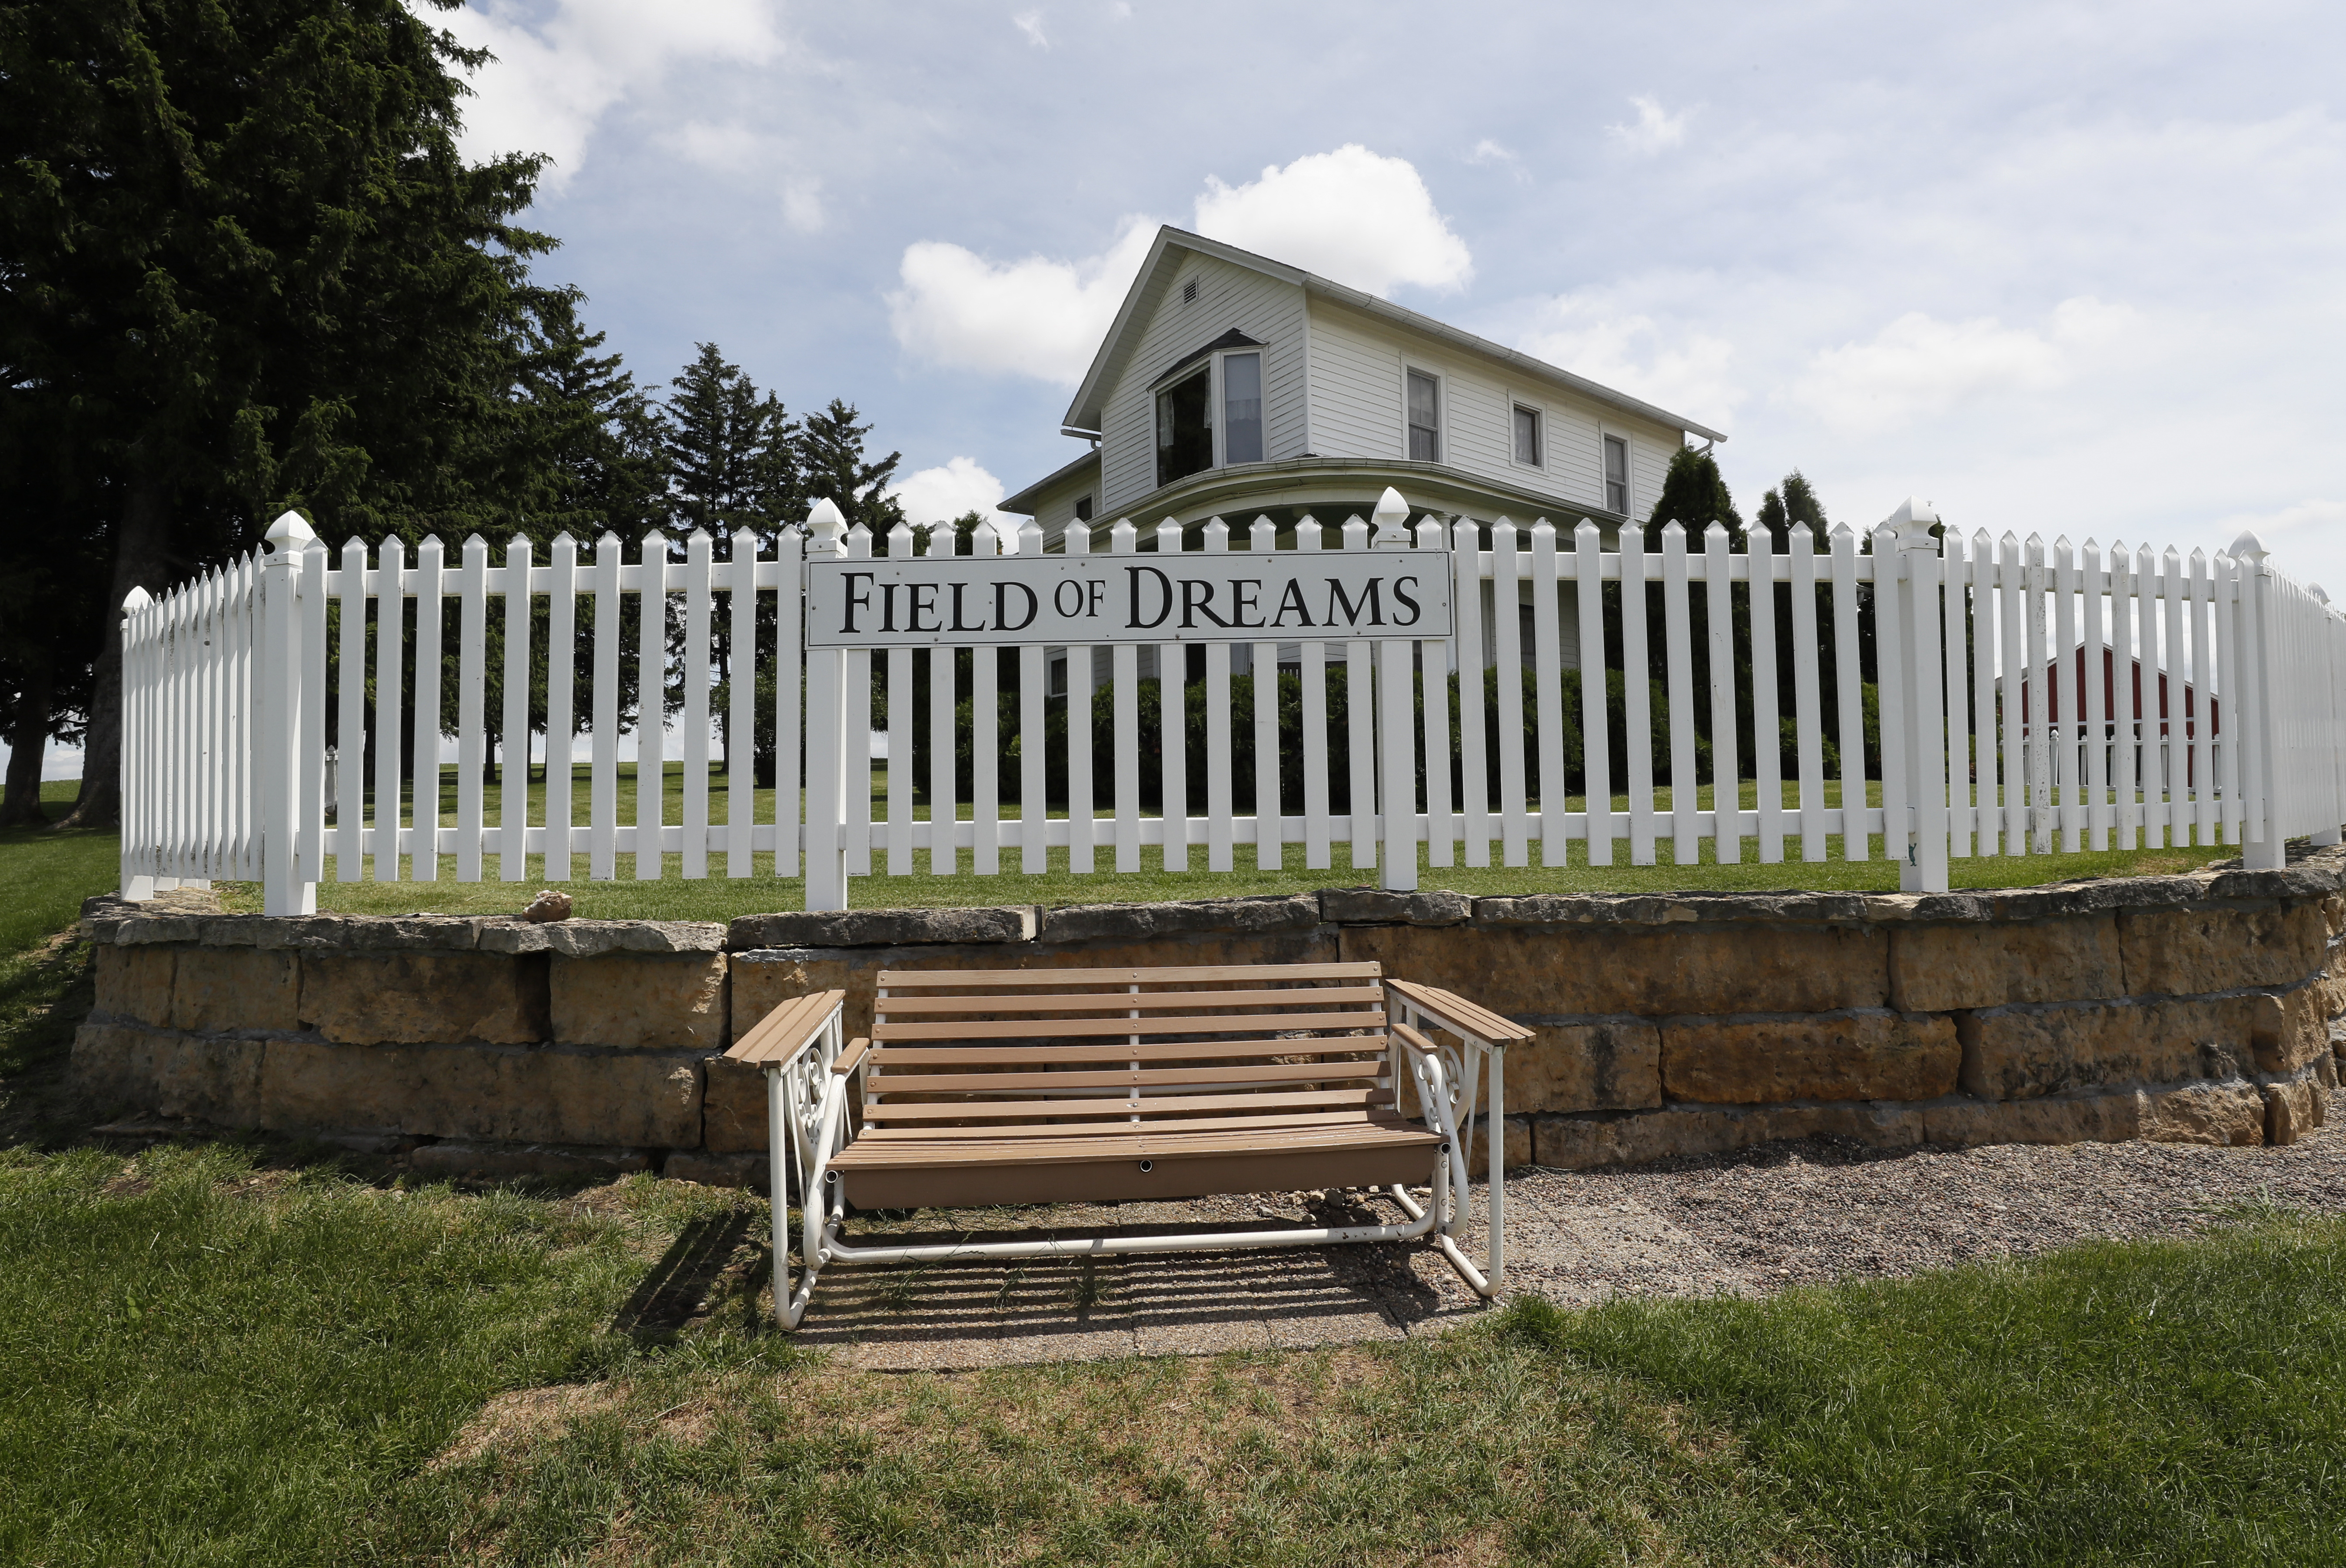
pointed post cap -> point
(290, 532)
(1913, 523)
(2247, 547)
(1392, 522)
(2315, 589)
(824, 522)
(137, 599)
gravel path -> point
(1745, 1223)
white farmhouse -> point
(1234, 385)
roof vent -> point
(1189, 293)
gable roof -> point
(1164, 259)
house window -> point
(1083, 508)
(1242, 408)
(1527, 435)
(1617, 475)
(1185, 428)
(1425, 418)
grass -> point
(232, 1351)
(720, 897)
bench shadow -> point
(678, 1288)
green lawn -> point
(720, 897)
(238, 1351)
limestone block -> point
(2333, 914)
(732, 1107)
(1940, 968)
(883, 928)
(751, 1171)
(1580, 1143)
(207, 1077)
(2229, 1115)
(1612, 1064)
(2287, 1030)
(1517, 1152)
(1240, 917)
(549, 1094)
(763, 979)
(2075, 1118)
(1374, 906)
(1558, 971)
(1863, 1055)
(2016, 1053)
(2216, 947)
(236, 988)
(506, 1161)
(666, 1002)
(136, 982)
(425, 997)
(2293, 1109)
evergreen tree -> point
(730, 454)
(832, 460)
(1794, 502)
(1694, 495)
(246, 265)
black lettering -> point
(1095, 591)
(1195, 602)
(1059, 598)
(1400, 597)
(849, 628)
(923, 601)
(1002, 614)
(1164, 585)
(1292, 599)
(1244, 593)
(1336, 595)
(888, 606)
(958, 626)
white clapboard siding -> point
(2219, 720)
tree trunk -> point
(140, 553)
(28, 740)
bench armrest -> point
(1460, 1016)
(852, 1055)
(780, 1036)
(1414, 1040)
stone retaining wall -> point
(2193, 1008)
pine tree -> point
(1794, 502)
(1694, 495)
(830, 459)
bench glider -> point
(979, 1088)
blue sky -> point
(2067, 268)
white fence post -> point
(1396, 690)
(279, 764)
(138, 758)
(827, 736)
(1923, 723)
(2264, 839)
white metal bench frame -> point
(808, 1064)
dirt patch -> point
(524, 1417)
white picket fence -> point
(2222, 717)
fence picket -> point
(743, 549)
(693, 673)
(1768, 756)
(1314, 670)
(2175, 810)
(1125, 671)
(1963, 814)
(350, 730)
(1597, 746)
(1726, 771)
(1434, 660)
(1898, 791)
(423, 854)
(2126, 807)
(390, 669)
(1987, 792)
(2095, 770)
(855, 669)
(1637, 700)
(789, 660)
(1548, 669)
(1034, 680)
(651, 703)
(1082, 815)
(1855, 843)
(1808, 701)
(1359, 725)
(2204, 798)
(603, 777)
(1473, 762)
(513, 790)
(985, 743)
(1218, 729)
(1506, 626)
(1269, 835)
(1172, 711)
(472, 741)
(944, 789)
(1678, 634)
(561, 732)
(2063, 706)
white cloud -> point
(1350, 214)
(1031, 24)
(1035, 318)
(1672, 366)
(1918, 365)
(1489, 153)
(551, 82)
(960, 487)
(1656, 131)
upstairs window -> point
(1527, 435)
(1617, 475)
(1425, 418)
(1185, 428)
(1242, 408)
(1083, 508)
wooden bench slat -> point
(1151, 1145)
(1118, 1051)
(1362, 1117)
(785, 1028)
(882, 1084)
(1141, 1001)
(1044, 1028)
(1061, 978)
(1145, 1106)
(1481, 1020)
